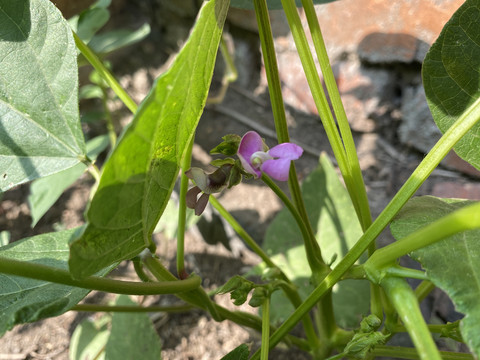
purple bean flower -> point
(256, 158)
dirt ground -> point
(386, 164)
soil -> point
(386, 164)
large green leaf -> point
(272, 4)
(143, 340)
(44, 192)
(336, 226)
(451, 76)
(445, 260)
(40, 130)
(26, 300)
(138, 178)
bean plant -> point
(321, 247)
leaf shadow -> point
(15, 20)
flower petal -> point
(198, 176)
(286, 151)
(251, 142)
(201, 204)
(277, 169)
(191, 197)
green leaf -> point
(25, 300)
(272, 4)
(45, 192)
(89, 339)
(336, 227)
(241, 352)
(451, 76)
(137, 328)
(138, 178)
(445, 260)
(116, 39)
(90, 21)
(40, 130)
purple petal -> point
(286, 151)
(201, 204)
(191, 197)
(277, 169)
(251, 142)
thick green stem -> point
(405, 302)
(423, 289)
(404, 272)
(105, 74)
(410, 353)
(197, 297)
(182, 212)
(466, 218)
(59, 276)
(265, 329)
(358, 192)
(201, 300)
(131, 308)
(429, 163)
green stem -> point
(243, 234)
(110, 128)
(466, 218)
(59, 276)
(316, 88)
(433, 328)
(327, 325)
(271, 70)
(358, 192)
(182, 212)
(94, 171)
(405, 302)
(278, 109)
(265, 329)
(130, 308)
(229, 76)
(429, 163)
(254, 322)
(410, 353)
(311, 244)
(403, 272)
(105, 74)
(201, 300)
(289, 290)
(138, 267)
(423, 289)
(197, 297)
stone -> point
(386, 48)
(364, 91)
(454, 162)
(345, 24)
(450, 189)
(417, 129)
(377, 32)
